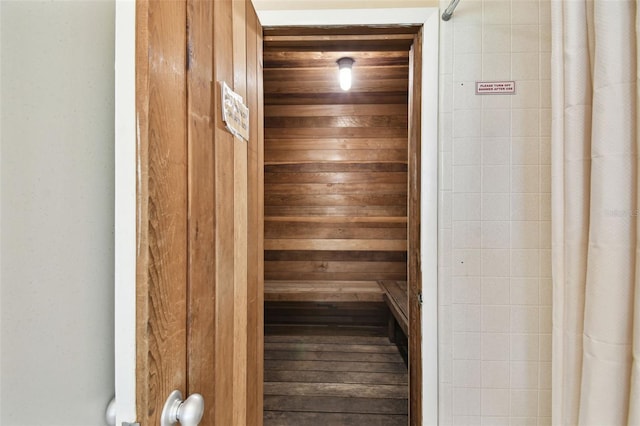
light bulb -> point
(345, 78)
(344, 65)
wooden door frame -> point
(423, 181)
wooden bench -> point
(395, 295)
(322, 291)
(324, 303)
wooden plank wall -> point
(335, 162)
(200, 198)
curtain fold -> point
(595, 212)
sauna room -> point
(337, 181)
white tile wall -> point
(494, 215)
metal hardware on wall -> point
(448, 12)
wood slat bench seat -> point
(322, 291)
(395, 295)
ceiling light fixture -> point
(344, 65)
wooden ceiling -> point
(300, 64)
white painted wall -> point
(56, 211)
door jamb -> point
(428, 17)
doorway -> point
(341, 215)
(425, 252)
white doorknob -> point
(188, 412)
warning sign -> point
(495, 87)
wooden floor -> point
(333, 376)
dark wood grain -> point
(334, 391)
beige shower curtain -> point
(595, 213)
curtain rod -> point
(448, 12)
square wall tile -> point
(545, 38)
(525, 151)
(544, 403)
(525, 38)
(466, 421)
(466, 290)
(524, 375)
(546, 291)
(496, 66)
(466, 234)
(525, 263)
(466, 318)
(525, 319)
(525, 13)
(545, 347)
(466, 262)
(524, 347)
(525, 122)
(496, 101)
(445, 129)
(497, 39)
(544, 380)
(496, 12)
(495, 234)
(466, 178)
(496, 123)
(467, 67)
(525, 291)
(545, 234)
(495, 319)
(467, 346)
(525, 206)
(545, 263)
(496, 421)
(495, 347)
(467, 123)
(467, 206)
(495, 290)
(467, 373)
(495, 262)
(495, 206)
(495, 179)
(544, 421)
(545, 66)
(523, 421)
(466, 402)
(525, 66)
(446, 94)
(545, 122)
(525, 234)
(525, 179)
(546, 319)
(545, 206)
(467, 151)
(496, 151)
(524, 403)
(495, 375)
(495, 402)
(545, 151)
(545, 93)
(545, 12)
(467, 38)
(545, 179)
